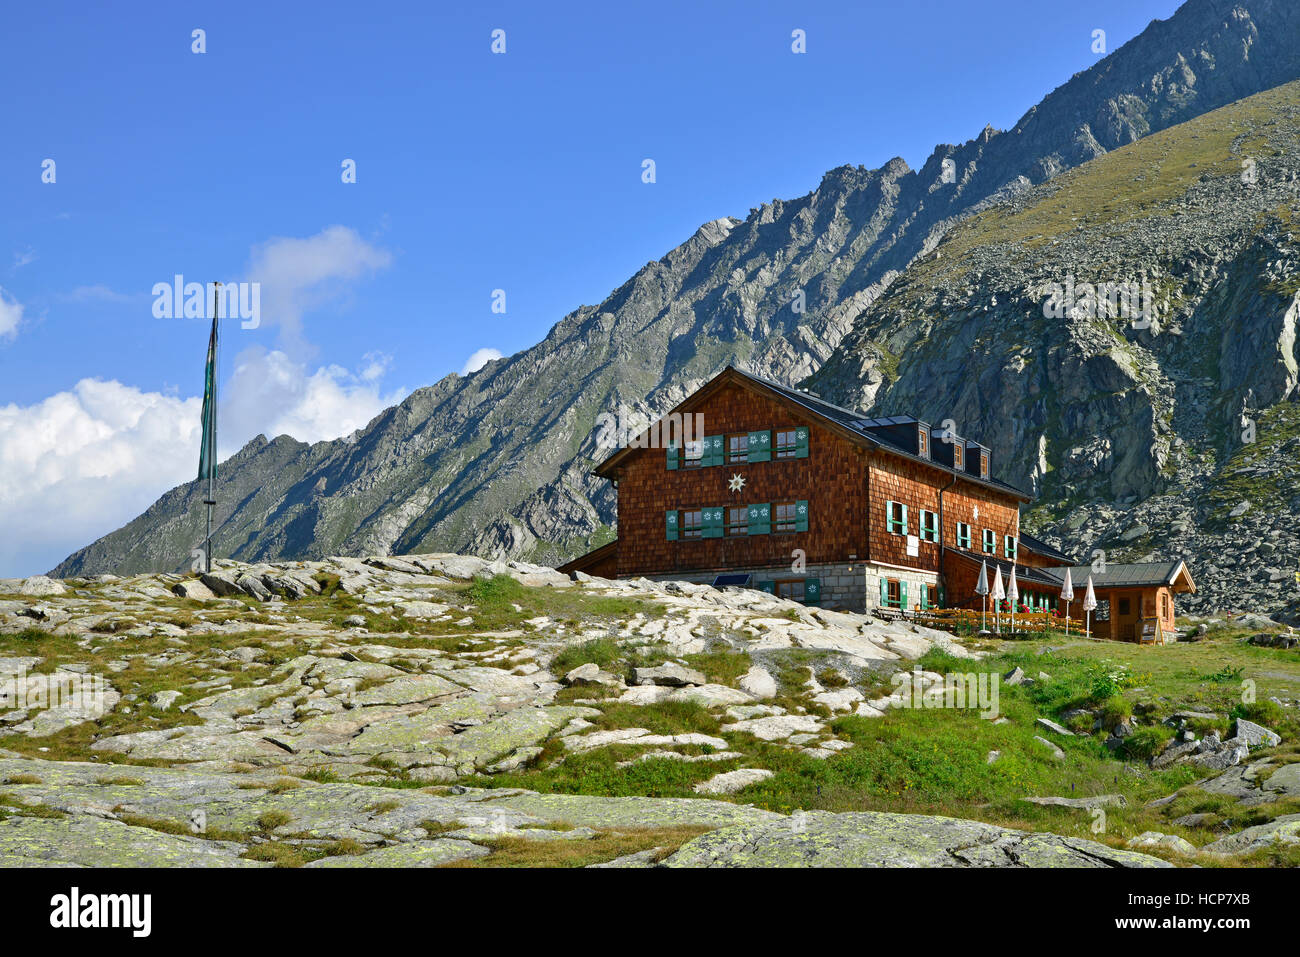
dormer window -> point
(959, 456)
(984, 464)
(923, 441)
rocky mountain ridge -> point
(1160, 428)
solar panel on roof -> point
(738, 580)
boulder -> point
(879, 839)
(669, 675)
(251, 585)
(591, 674)
(758, 683)
(1087, 803)
(1053, 727)
(1255, 735)
(42, 586)
(729, 782)
(193, 588)
(1170, 842)
(221, 583)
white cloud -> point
(271, 394)
(98, 293)
(299, 274)
(479, 359)
(83, 462)
(377, 364)
(24, 258)
(11, 313)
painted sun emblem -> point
(737, 482)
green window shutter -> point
(769, 587)
(760, 519)
(712, 518)
(715, 452)
(812, 591)
(884, 593)
(904, 510)
(902, 595)
(801, 442)
(801, 517)
(671, 522)
(759, 447)
(672, 456)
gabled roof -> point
(1040, 547)
(1147, 574)
(847, 423)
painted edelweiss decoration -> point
(737, 482)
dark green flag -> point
(208, 453)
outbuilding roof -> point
(1148, 574)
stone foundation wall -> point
(915, 578)
(843, 585)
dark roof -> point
(855, 423)
(1026, 575)
(859, 423)
(1126, 576)
(1040, 547)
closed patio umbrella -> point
(998, 596)
(1067, 595)
(1089, 603)
(982, 589)
(1013, 596)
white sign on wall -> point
(913, 546)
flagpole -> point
(211, 500)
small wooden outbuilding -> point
(1132, 600)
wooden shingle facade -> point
(791, 494)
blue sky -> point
(475, 172)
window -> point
(738, 448)
(959, 456)
(792, 589)
(893, 593)
(694, 454)
(963, 535)
(787, 446)
(692, 523)
(990, 542)
(1164, 605)
(928, 595)
(1123, 606)
(737, 521)
(896, 518)
(923, 441)
(1009, 546)
(929, 526)
(806, 590)
(786, 517)
(984, 464)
